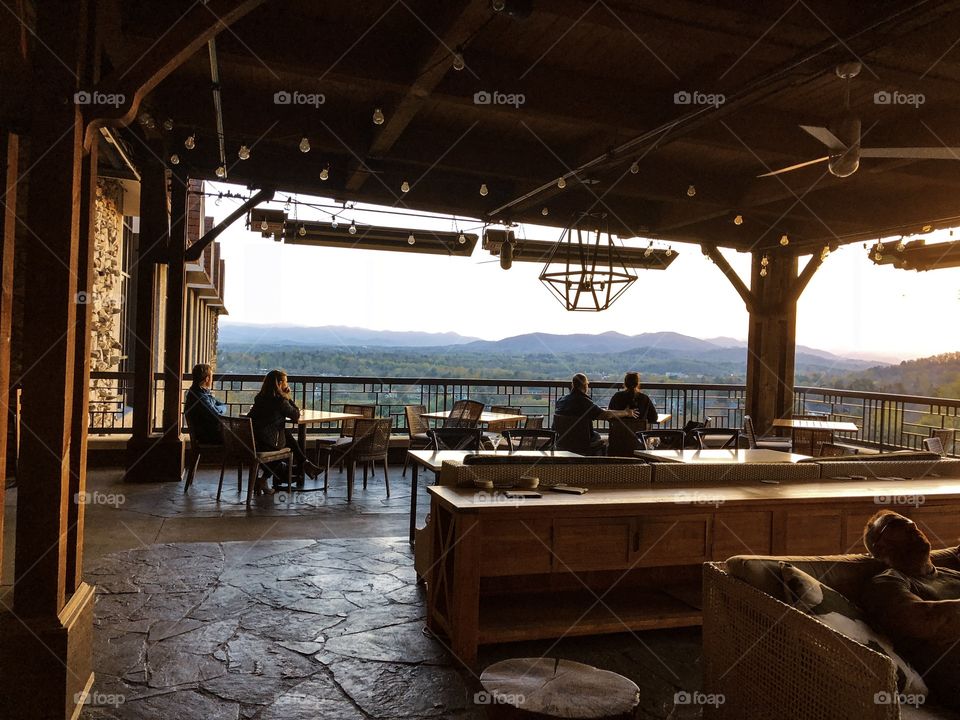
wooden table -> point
(710, 457)
(433, 460)
(804, 424)
(544, 562)
(485, 417)
(316, 417)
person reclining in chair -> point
(915, 603)
(579, 412)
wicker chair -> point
(669, 439)
(934, 444)
(417, 427)
(336, 449)
(455, 439)
(532, 422)
(240, 447)
(832, 450)
(948, 438)
(369, 445)
(764, 442)
(530, 439)
(465, 414)
(717, 438)
(198, 448)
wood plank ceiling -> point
(594, 76)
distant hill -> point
(936, 376)
(251, 334)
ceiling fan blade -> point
(795, 167)
(826, 137)
(917, 153)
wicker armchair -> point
(240, 447)
(948, 438)
(336, 449)
(465, 414)
(417, 427)
(369, 445)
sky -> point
(851, 306)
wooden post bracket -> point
(193, 253)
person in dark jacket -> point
(202, 409)
(272, 408)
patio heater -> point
(585, 269)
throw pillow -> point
(834, 610)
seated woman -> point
(623, 438)
(272, 408)
(202, 409)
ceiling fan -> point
(842, 140)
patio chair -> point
(240, 447)
(336, 448)
(669, 439)
(717, 438)
(417, 427)
(764, 442)
(934, 444)
(832, 450)
(808, 442)
(455, 439)
(530, 439)
(532, 422)
(623, 436)
(495, 429)
(369, 445)
(198, 448)
(948, 438)
(465, 414)
(575, 434)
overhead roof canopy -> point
(577, 80)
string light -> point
(635, 168)
(302, 232)
(901, 245)
(243, 153)
(411, 239)
(174, 159)
(561, 183)
(352, 229)
(218, 200)
(878, 256)
(221, 171)
(462, 239)
(378, 117)
(286, 205)
(405, 187)
(483, 190)
(333, 223)
(458, 63)
(927, 228)
(669, 252)
(738, 220)
(764, 261)
(544, 211)
(784, 240)
(763, 272)
(325, 173)
(191, 141)
(304, 144)
(649, 251)
(691, 191)
(264, 225)
(168, 124)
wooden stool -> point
(541, 688)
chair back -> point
(750, 432)
(191, 433)
(808, 441)
(532, 422)
(669, 439)
(367, 411)
(371, 439)
(465, 414)
(623, 436)
(573, 433)
(416, 423)
(530, 439)
(934, 444)
(717, 438)
(455, 439)
(498, 426)
(238, 439)
(948, 438)
(831, 450)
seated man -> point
(574, 416)
(915, 603)
(202, 409)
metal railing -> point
(886, 421)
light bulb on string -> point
(691, 190)
(221, 171)
(264, 225)
(738, 220)
(325, 173)
(286, 205)
(784, 240)
(405, 187)
(462, 239)
(458, 63)
(378, 117)
(669, 252)
(649, 251)
(483, 190)
(302, 231)
(764, 261)
(411, 239)
(561, 183)
(635, 167)
(174, 159)
(190, 142)
(243, 153)
(333, 223)
(901, 245)
(763, 272)
(927, 228)
(218, 200)
(168, 124)
(304, 144)
(878, 256)
(544, 211)
(352, 229)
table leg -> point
(415, 472)
(302, 442)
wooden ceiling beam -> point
(469, 18)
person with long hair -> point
(202, 409)
(272, 408)
(630, 398)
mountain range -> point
(659, 345)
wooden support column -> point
(46, 638)
(9, 161)
(771, 340)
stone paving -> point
(330, 629)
